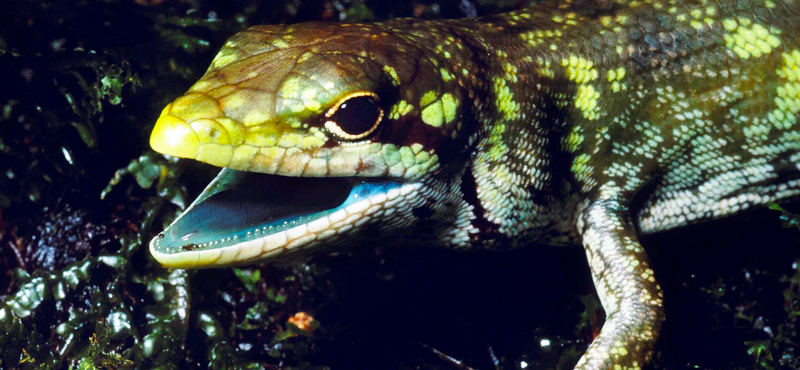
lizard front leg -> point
(626, 286)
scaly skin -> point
(557, 124)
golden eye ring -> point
(354, 117)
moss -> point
(781, 349)
(81, 194)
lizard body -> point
(559, 124)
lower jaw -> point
(241, 217)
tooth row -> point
(304, 235)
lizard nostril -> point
(211, 131)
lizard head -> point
(347, 124)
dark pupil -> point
(357, 115)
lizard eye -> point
(354, 117)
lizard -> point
(559, 124)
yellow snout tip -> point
(173, 136)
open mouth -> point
(243, 216)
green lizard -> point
(558, 124)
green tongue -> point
(236, 203)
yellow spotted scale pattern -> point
(557, 124)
